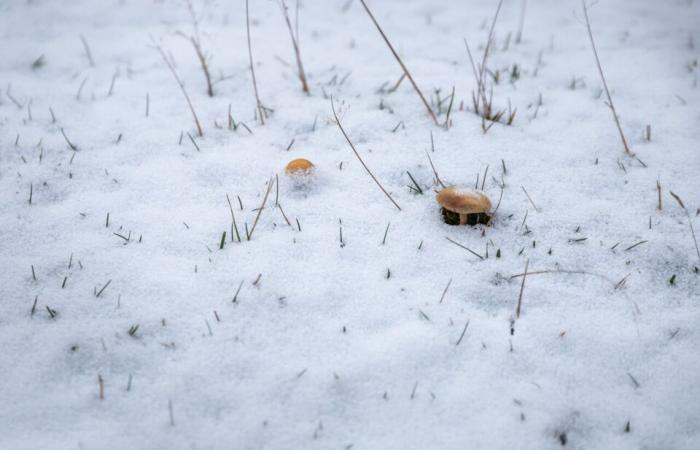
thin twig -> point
(690, 222)
(70, 144)
(461, 336)
(466, 248)
(530, 198)
(279, 205)
(449, 109)
(521, 23)
(255, 223)
(203, 62)
(197, 44)
(398, 59)
(261, 108)
(347, 138)
(101, 383)
(233, 220)
(87, 51)
(295, 43)
(575, 272)
(522, 288)
(193, 141)
(437, 177)
(486, 51)
(605, 84)
(182, 88)
(442, 297)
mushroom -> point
(299, 166)
(464, 206)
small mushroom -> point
(462, 206)
(299, 166)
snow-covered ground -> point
(352, 345)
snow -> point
(347, 345)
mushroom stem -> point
(462, 219)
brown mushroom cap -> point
(299, 166)
(463, 201)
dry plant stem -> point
(465, 247)
(480, 97)
(403, 67)
(14, 100)
(284, 215)
(521, 24)
(234, 226)
(471, 61)
(522, 288)
(197, 44)
(483, 104)
(88, 53)
(182, 88)
(437, 177)
(482, 69)
(100, 381)
(605, 84)
(203, 62)
(445, 291)
(295, 44)
(70, 144)
(475, 98)
(261, 109)
(498, 205)
(398, 83)
(690, 222)
(449, 109)
(347, 138)
(260, 210)
(461, 336)
(573, 272)
(529, 198)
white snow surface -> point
(332, 346)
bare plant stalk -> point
(261, 108)
(465, 248)
(690, 222)
(337, 121)
(605, 84)
(101, 382)
(111, 85)
(449, 109)
(437, 177)
(521, 24)
(295, 44)
(70, 144)
(522, 288)
(203, 62)
(475, 98)
(483, 103)
(234, 226)
(528, 197)
(87, 51)
(397, 84)
(571, 272)
(182, 88)
(482, 69)
(260, 210)
(405, 70)
(197, 44)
